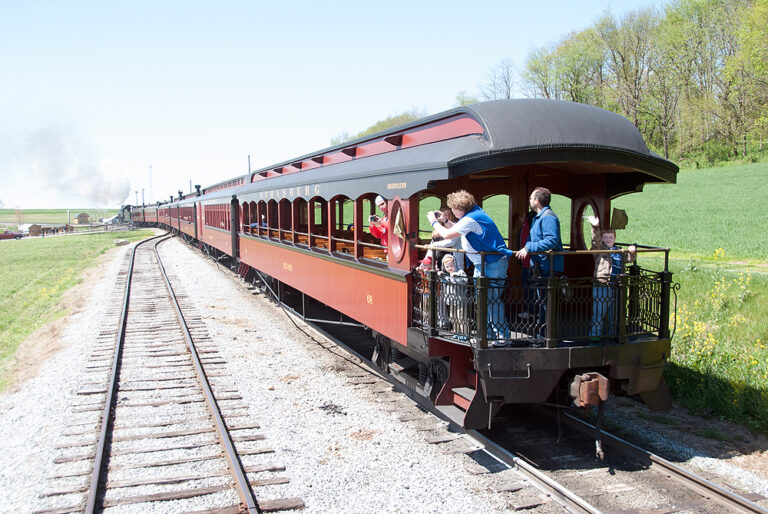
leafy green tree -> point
(462, 98)
(627, 44)
(579, 67)
(540, 74)
(748, 69)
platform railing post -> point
(432, 277)
(633, 293)
(552, 318)
(666, 282)
(481, 312)
(621, 308)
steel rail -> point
(243, 486)
(697, 483)
(106, 418)
(564, 496)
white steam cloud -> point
(62, 162)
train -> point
(300, 229)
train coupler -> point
(589, 389)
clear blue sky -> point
(94, 92)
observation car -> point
(300, 229)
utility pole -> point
(142, 197)
(137, 196)
(150, 184)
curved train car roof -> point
(571, 137)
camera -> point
(373, 217)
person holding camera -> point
(479, 233)
(378, 225)
(446, 218)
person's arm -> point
(595, 222)
(632, 253)
(445, 233)
(377, 229)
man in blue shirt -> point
(544, 236)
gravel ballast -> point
(341, 441)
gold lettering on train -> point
(397, 185)
(306, 190)
(287, 267)
(369, 299)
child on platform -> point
(453, 283)
(605, 287)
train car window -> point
(397, 226)
(272, 219)
(261, 216)
(497, 207)
(319, 222)
(246, 217)
(301, 221)
(426, 204)
(562, 207)
(584, 236)
(254, 216)
(285, 218)
(343, 239)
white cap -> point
(379, 199)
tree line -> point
(692, 76)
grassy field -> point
(34, 273)
(13, 217)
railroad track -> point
(631, 480)
(161, 426)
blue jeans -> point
(603, 310)
(496, 322)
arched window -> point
(561, 205)
(318, 222)
(273, 221)
(342, 235)
(246, 217)
(497, 207)
(301, 221)
(262, 218)
(286, 220)
(583, 239)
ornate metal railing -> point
(551, 311)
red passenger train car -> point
(301, 228)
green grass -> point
(706, 210)
(15, 217)
(34, 273)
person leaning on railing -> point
(543, 236)
(479, 233)
(608, 266)
(446, 218)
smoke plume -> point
(62, 162)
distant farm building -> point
(48, 229)
(83, 218)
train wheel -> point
(382, 353)
(438, 373)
